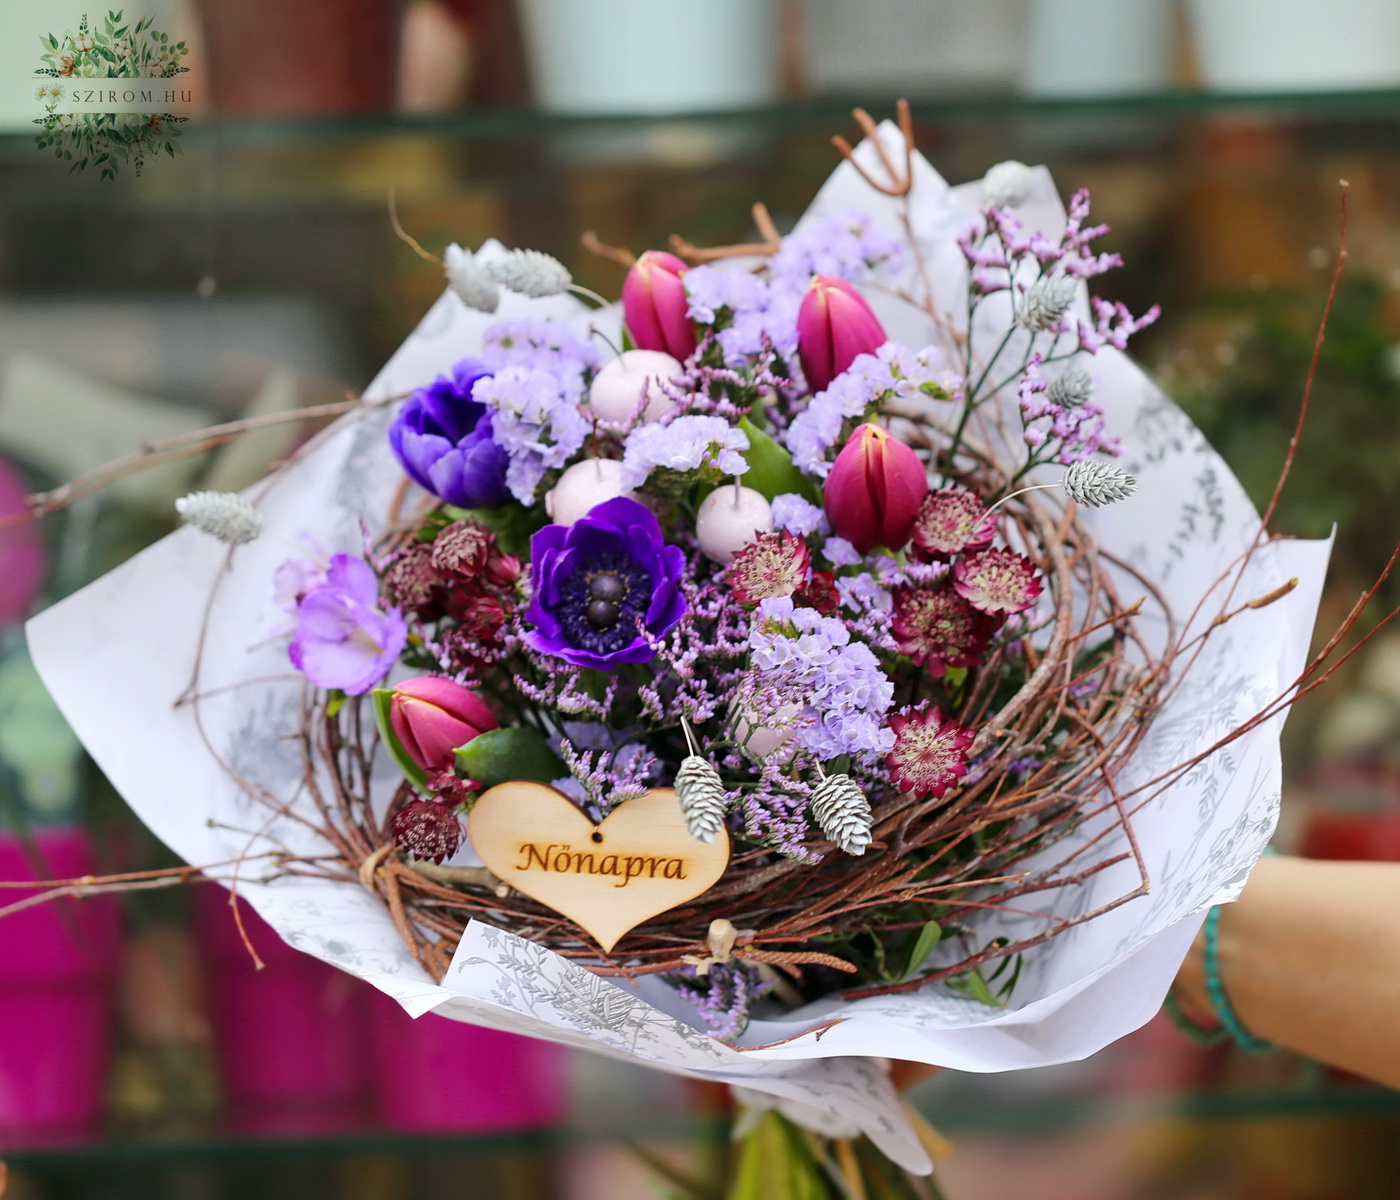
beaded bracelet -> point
(1215, 989)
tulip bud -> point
(583, 486)
(834, 326)
(874, 490)
(728, 519)
(617, 391)
(655, 307)
(431, 717)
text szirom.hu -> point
(124, 96)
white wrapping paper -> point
(120, 654)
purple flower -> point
(689, 443)
(537, 423)
(599, 582)
(343, 638)
(442, 436)
(544, 345)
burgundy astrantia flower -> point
(997, 581)
(773, 564)
(951, 521)
(930, 753)
(938, 629)
(820, 593)
(428, 829)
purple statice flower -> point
(797, 515)
(1071, 431)
(745, 312)
(1114, 324)
(843, 244)
(892, 373)
(863, 592)
(722, 996)
(443, 438)
(689, 443)
(700, 662)
(536, 423)
(544, 345)
(838, 684)
(600, 584)
(608, 777)
(343, 638)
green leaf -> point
(627, 342)
(517, 752)
(383, 697)
(771, 469)
(976, 987)
(336, 702)
(776, 1161)
(929, 937)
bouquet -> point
(839, 650)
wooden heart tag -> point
(607, 878)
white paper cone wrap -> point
(120, 654)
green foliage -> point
(771, 469)
(516, 752)
(383, 698)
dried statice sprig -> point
(723, 994)
(610, 777)
(470, 280)
(530, 273)
(840, 808)
(223, 515)
(1097, 483)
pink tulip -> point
(834, 326)
(874, 490)
(655, 307)
(431, 717)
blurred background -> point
(257, 270)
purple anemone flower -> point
(343, 638)
(599, 581)
(443, 439)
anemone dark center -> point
(600, 603)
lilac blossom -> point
(840, 553)
(842, 692)
(797, 515)
(844, 244)
(545, 345)
(535, 420)
(893, 373)
(343, 638)
(688, 443)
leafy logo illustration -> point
(73, 67)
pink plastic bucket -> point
(292, 1039)
(435, 1075)
(56, 967)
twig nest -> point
(582, 487)
(729, 519)
(617, 391)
